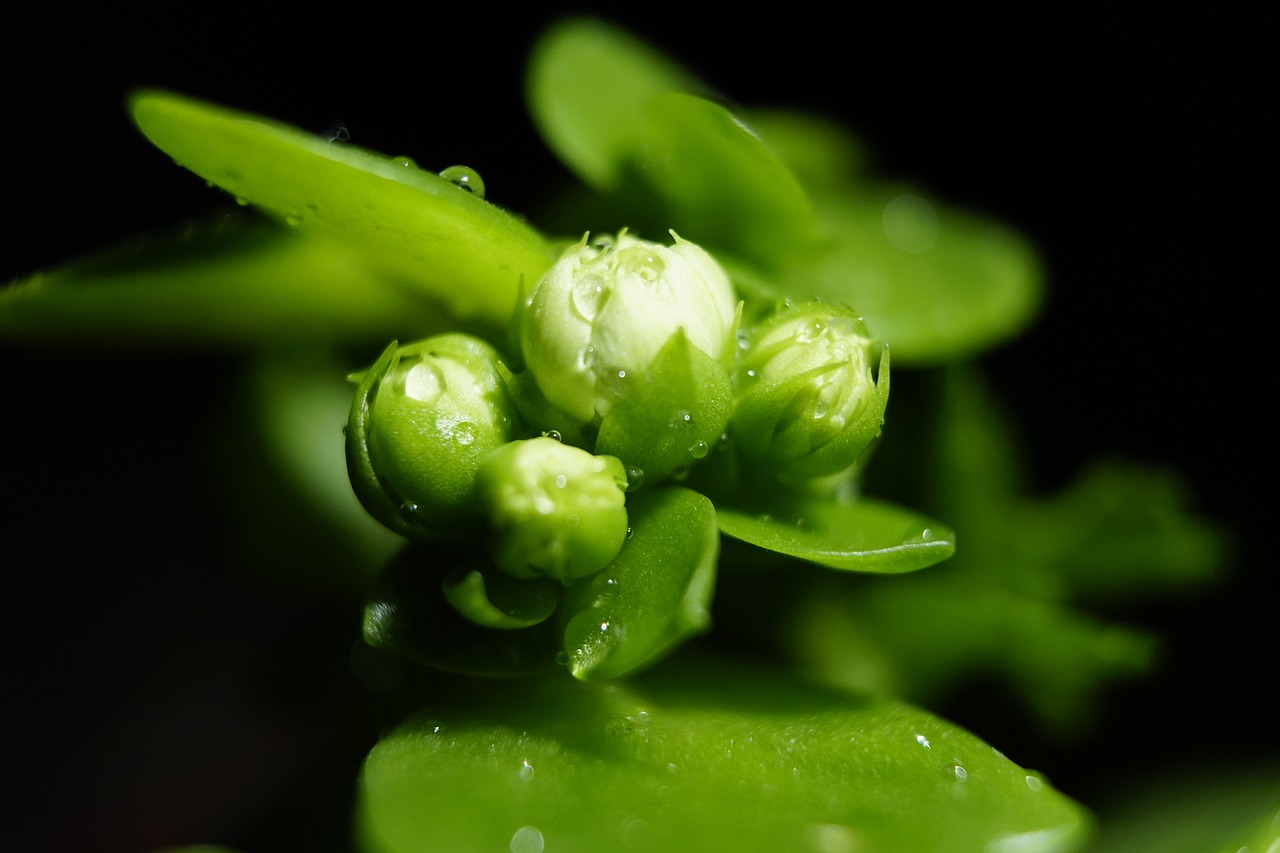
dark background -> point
(157, 700)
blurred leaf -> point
(231, 282)
(412, 224)
(707, 756)
(860, 536)
(654, 595)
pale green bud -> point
(599, 317)
(557, 509)
(424, 417)
(807, 402)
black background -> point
(156, 701)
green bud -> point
(424, 417)
(598, 319)
(807, 401)
(558, 510)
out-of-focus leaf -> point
(225, 283)
(467, 254)
(623, 117)
(712, 755)
(859, 536)
(655, 594)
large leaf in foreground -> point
(860, 536)
(709, 756)
(464, 252)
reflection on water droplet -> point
(635, 478)
(561, 481)
(923, 741)
(552, 434)
(424, 382)
(526, 771)
(630, 532)
(926, 534)
(465, 178)
(1034, 783)
(586, 295)
(464, 433)
(810, 330)
(404, 162)
(639, 261)
(699, 449)
(409, 511)
(960, 773)
(527, 839)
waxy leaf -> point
(628, 120)
(414, 225)
(656, 592)
(230, 283)
(861, 536)
(710, 755)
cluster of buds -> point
(636, 367)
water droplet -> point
(409, 511)
(586, 295)
(572, 519)
(527, 839)
(923, 741)
(635, 478)
(810, 330)
(404, 162)
(543, 505)
(639, 261)
(464, 433)
(765, 517)
(604, 626)
(242, 201)
(433, 726)
(630, 532)
(960, 773)
(562, 658)
(552, 434)
(1034, 783)
(424, 382)
(699, 449)
(526, 771)
(465, 178)
(743, 343)
(561, 481)
(337, 132)
(604, 243)
(802, 523)
(680, 419)
(617, 727)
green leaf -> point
(623, 117)
(655, 594)
(228, 283)
(936, 284)
(860, 536)
(412, 224)
(673, 414)
(713, 755)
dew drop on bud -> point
(464, 433)
(699, 449)
(465, 178)
(552, 434)
(424, 382)
(587, 296)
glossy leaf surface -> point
(655, 594)
(230, 283)
(462, 251)
(861, 536)
(697, 756)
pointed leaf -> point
(656, 593)
(462, 251)
(862, 536)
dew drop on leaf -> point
(465, 178)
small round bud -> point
(807, 401)
(558, 510)
(600, 315)
(424, 417)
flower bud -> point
(424, 417)
(557, 509)
(807, 401)
(602, 313)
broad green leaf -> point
(709, 756)
(655, 594)
(228, 283)
(410, 616)
(936, 284)
(673, 414)
(460, 250)
(587, 84)
(627, 121)
(860, 536)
